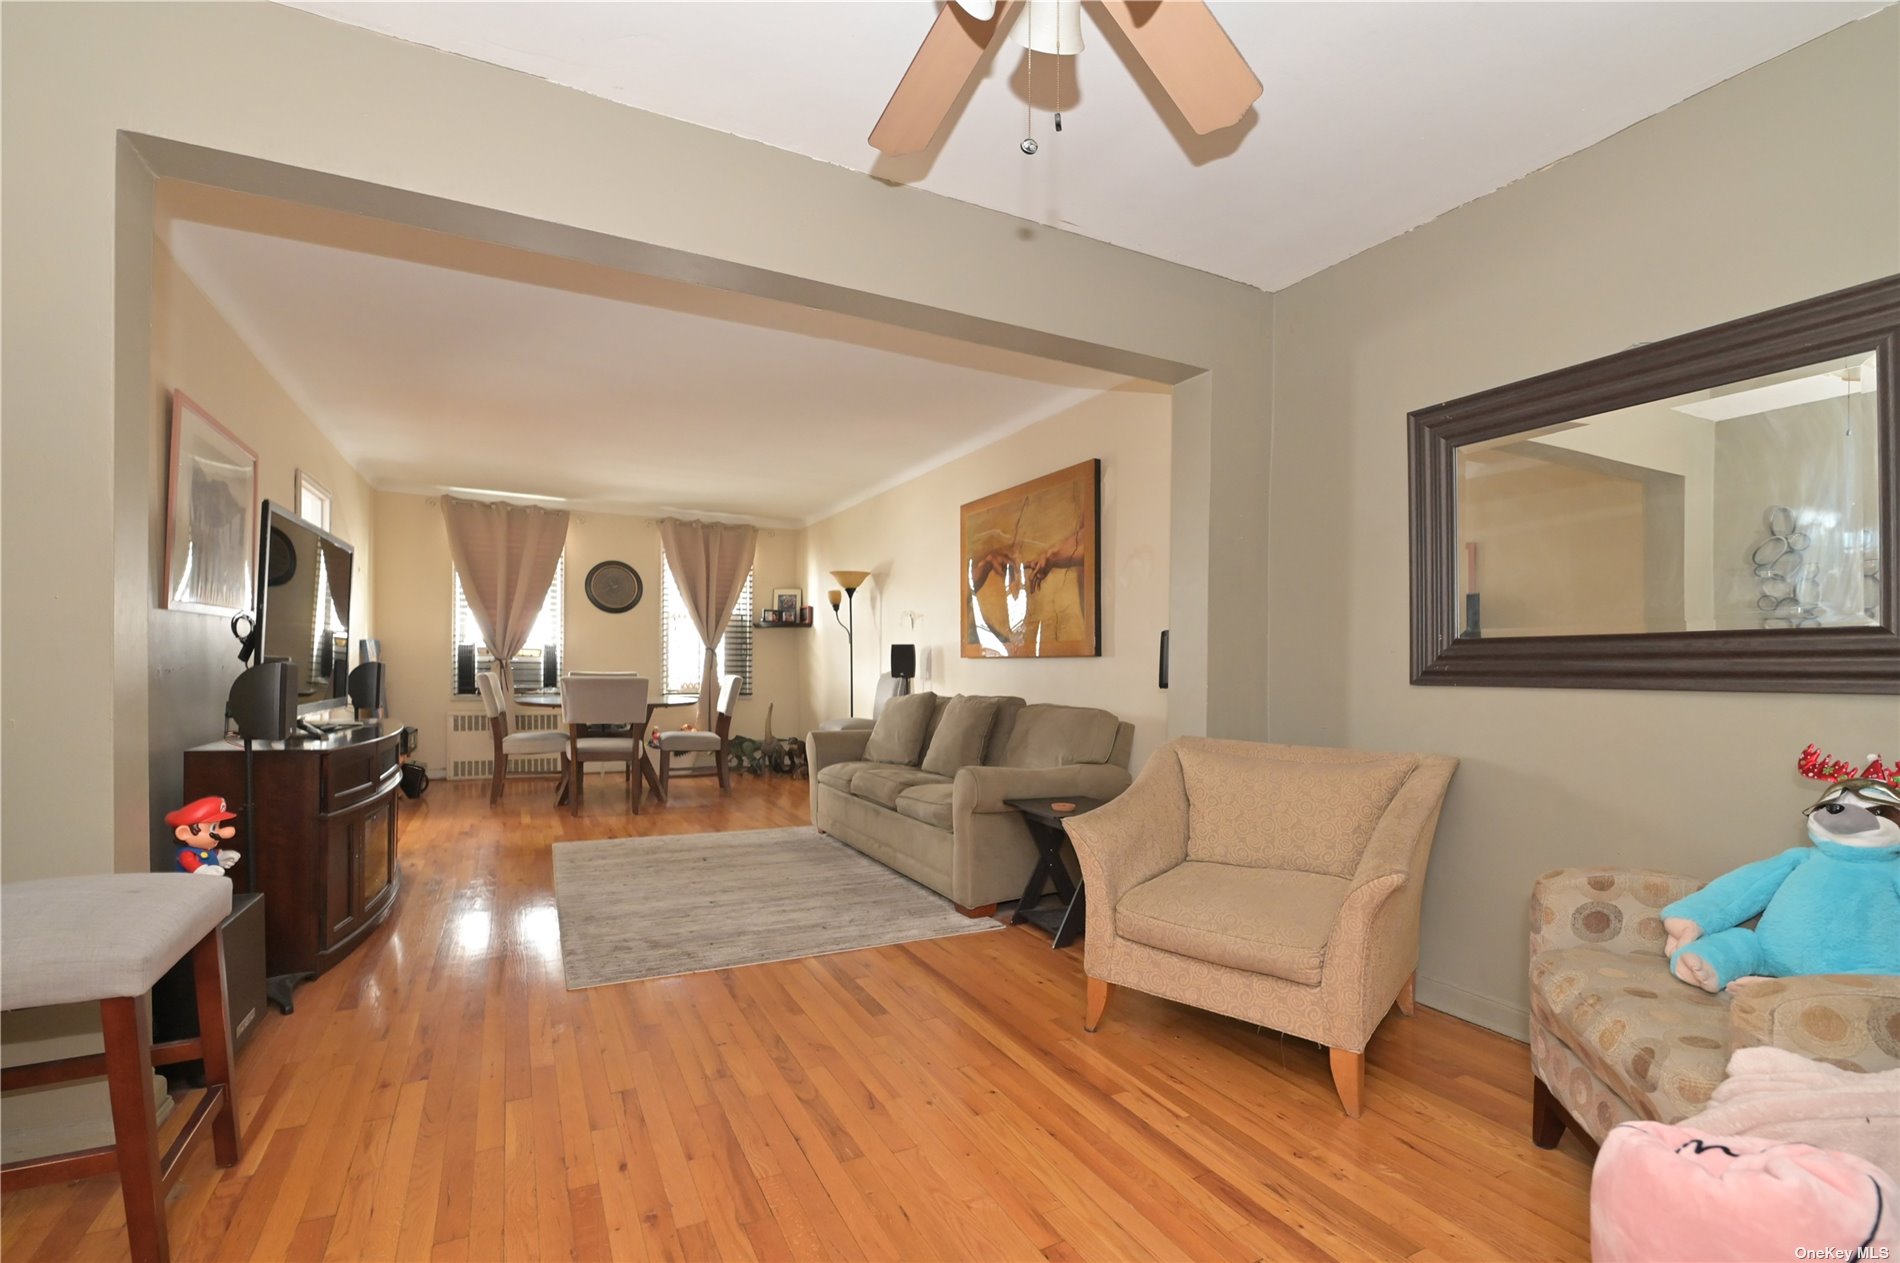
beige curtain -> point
(506, 555)
(710, 562)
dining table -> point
(550, 699)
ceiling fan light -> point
(981, 10)
(1049, 26)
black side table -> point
(1064, 922)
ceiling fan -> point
(1190, 55)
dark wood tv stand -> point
(325, 852)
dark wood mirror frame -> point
(1816, 660)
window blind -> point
(682, 653)
(544, 638)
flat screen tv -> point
(303, 605)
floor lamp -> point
(851, 581)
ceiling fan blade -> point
(937, 74)
(1195, 62)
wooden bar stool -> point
(70, 940)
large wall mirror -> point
(1717, 511)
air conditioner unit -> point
(471, 746)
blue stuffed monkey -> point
(1832, 908)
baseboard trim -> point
(1496, 1015)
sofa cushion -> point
(1263, 920)
(1286, 813)
(838, 775)
(1056, 736)
(962, 732)
(898, 735)
(928, 803)
(1007, 708)
(1660, 1044)
(881, 783)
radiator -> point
(472, 748)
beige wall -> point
(1656, 437)
(1560, 549)
(1734, 202)
(193, 656)
(908, 538)
(360, 122)
(415, 591)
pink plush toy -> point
(1664, 1194)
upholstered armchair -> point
(1276, 884)
(1615, 1037)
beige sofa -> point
(953, 833)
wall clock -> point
(614, 586)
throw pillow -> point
(898, 735)
(961, 734)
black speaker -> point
(263, 701)
(550, 667)
(366, 688)
(904, 661)
(465, 668)
(1163, 681)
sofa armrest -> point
(986, 789)
(1844, 1019)
(1138, 836)
(1401, 843)
(1615, 908)
(827, 746)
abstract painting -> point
(1032, 583)
(211, 515)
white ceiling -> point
(1376, 118)
(433, 362)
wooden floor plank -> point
(440, 1095)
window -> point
(313, 502)
(538, 660)
(683, 653)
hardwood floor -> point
(441, 1095)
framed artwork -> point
(786, 601)
(1032, 581)
(210, 515)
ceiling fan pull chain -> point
(1058, 109)
(1029, 145)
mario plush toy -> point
(199, 827)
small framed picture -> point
(786, 601)
(210, 515)
(768, 618)
(804, 616)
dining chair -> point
(718, 742)
(589, 700)
(517, 745)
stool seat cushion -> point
(65, 940)
(680, 742)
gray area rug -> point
(650, 907)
